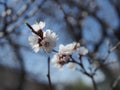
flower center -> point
(63, 59)
(39, 42)
(47, 44)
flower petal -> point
(71, 65)
(41, 25)
(36, 27)
(82, 51)
(36, 48)
(48, 33)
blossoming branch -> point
(47, 39)
(42, 39)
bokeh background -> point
(93, 23)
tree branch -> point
(48, 75)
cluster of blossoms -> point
(47, 41)
(64, 55)
(43, 39)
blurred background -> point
(91, 22)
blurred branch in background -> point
(11, 17)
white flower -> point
(38, 26)
(55, 61)
(49, 40)
(63, 55)
(82, 51)
(59, 60)
(69, 48)
(45, 39)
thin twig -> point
(117, 46)
(17, 53)
(70, 26)
(91, 75)
(31, 28)
(83, 70)
(48, 75)
(94, 83)
(55, 51)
